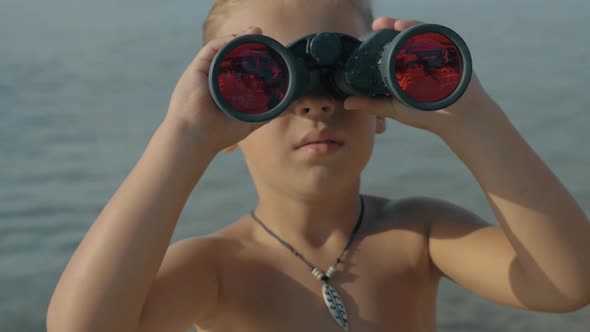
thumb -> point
(391, 108)
(386, 107)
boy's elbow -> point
(583, 302)
(55, 321)
(578, 299)
(570, 294)
(54, 318)
(58, 321)
(553, 299)
(566, 304)
(574, 305)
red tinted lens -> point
(428, 67)
(253, 78)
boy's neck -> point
(318, 222)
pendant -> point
(335, 305)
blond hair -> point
(221, 8)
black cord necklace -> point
(331, 297)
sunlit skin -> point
(242, 279)
(399, 295)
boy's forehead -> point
(289, 20)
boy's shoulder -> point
(237, 263)
(414, 213)
(408, 222)
(416, 221)
(382, 214)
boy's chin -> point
(317, 186)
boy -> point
(254, 275)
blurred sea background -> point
(83, 85)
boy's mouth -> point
(319, 142)
(319, 149)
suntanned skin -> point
(123, 276)
(387, 281)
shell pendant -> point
(335, 305)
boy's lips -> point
(318, 138)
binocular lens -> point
(428, 67)
(253, 78)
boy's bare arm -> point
(185, 290)
(112, 281)
(539, 257)
(106, 283)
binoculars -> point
(255, 78)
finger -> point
(416, 118)
(393, 109)
(252, 126)
(384, 22)
(383, 107)
(401, 25)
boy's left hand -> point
(468, 112)
(537, 256)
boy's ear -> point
(381, 126)
(230, 148)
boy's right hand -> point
(192, 107)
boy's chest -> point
(381, 291)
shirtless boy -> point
(124, 278)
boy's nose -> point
(315, 107)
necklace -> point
(332, 299)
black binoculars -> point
(255, 78)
